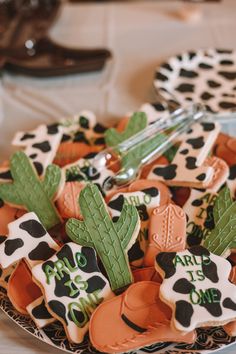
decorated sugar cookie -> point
(222, 239)
(145, 200)
(111, 240)
(67, 203)
(39, 313)
(225, 148)
(28, 192)
(73, 287)
(132, 320)
(5, 273)
(187, 167)
(40, 145)
(28, 239)
(83, 170)
(196, 285)
(21, 289)
(135, 124)
(167, 232)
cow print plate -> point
(203, 76)
(208, 340)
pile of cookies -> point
(129, 266)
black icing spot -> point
(190, 74)
(210, 271)
(194, 238)
(229, 304)
(99, 141)
(192, 55)
(33, 156)
(206, 96)
(159, 107)
(42, 252)
(34, 228)
(201, 177)
(52, 129)
(213, 84)
(84, 122)
(6, 175)
(199, 251)
(231, 76)
(208, 127)
(12, 245)
(167, 66)
(191, 163)
(226, 62)
(184, 152)
(27, 136)
(91, 265)
(99, 128)
(224, 51)
(227, 105)
(183, 313)
(142, 210)
(44, 146)
(209, 223)
(196, 143)
(59, 309)
(183, 286)
(117, 204)
(185, 88)
(65, 137)
(152, 191)
(205, 66)
(161, 77)
(213, 308)
(2, 238)
(232, 172)
(79, 315)
(40, 312)
(165, 262)
(135, 253)
(80, 137)
(167, 172)
(39, 167)
(95, 283)
(197, 202)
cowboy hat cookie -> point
(140, 319)
(73, 286)
(196, 285)
(111, 240)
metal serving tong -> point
(25, 46)
(146, 146)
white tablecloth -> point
(140, 35)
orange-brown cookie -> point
(225, 148)
(22, 291)
(67, 203)
(147, 273)
(167, 232)
(69, 152)
(139, 318)
(7, 215)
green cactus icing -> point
(136, 123)
(27, 190)
(111, 240)
(222, 238)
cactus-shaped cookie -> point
(222, 239)
(136, 123)
(111, 240)
(29, 192)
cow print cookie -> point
(5, 273)
(73, 287)
(28, 239)
(203, 76)
(39, 313)
(187, 167)
(145, 201)
(167, 232)
(196, 286)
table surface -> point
(141, 35)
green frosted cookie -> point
(28, 191)
(111, 240)
(222, 239)
(136, 123)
